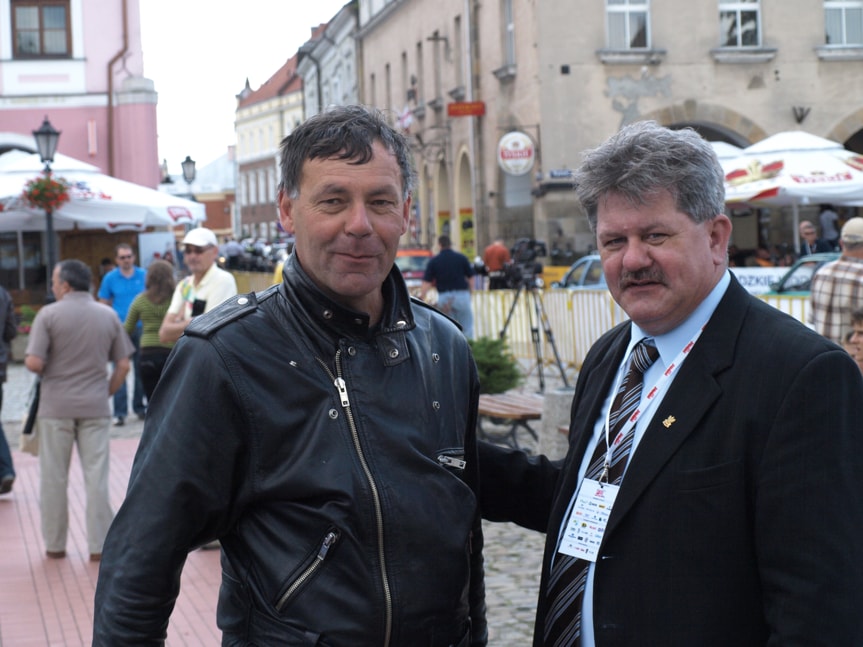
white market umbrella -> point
(96, 200)
(793, 168)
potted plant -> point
(499, 370)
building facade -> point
(78, 62)
(264, 117)
(565, 76)
(328, 64)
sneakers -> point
(119, 421)
(6, 484)
(55, 554)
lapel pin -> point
(670, 420)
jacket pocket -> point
(308, 569)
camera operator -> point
(496, 256)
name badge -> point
(586, 525)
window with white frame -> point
(41, 29)
(843, 22)
(740, 23)
(628, 24)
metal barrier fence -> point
(575, 318)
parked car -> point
(585, 273)
(412, 262)
(798, 278)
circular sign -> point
(515, 153)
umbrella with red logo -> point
(95, 200)
(794, 168)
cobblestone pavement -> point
(513, 555)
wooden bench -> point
(512, 409)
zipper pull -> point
(342, 388)
(451, 461)
(329, 540)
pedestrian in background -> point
(496, 257)
(207, 285)
(71, 341)
(714, 441)
(118, 289)
(10, 331)
(449, 272)
(837, 287)
(854, 339)
(809, 241)
(829, 220)
(147, 312)
(280, 426)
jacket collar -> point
(337, 322)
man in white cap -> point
(837, 288)
(205, 288)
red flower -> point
(45, 192)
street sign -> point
(466, 109)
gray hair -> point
(76, 274)
(645, 158)
(344, 133)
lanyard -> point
(658, 388)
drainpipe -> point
(111, 64)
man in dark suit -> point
(738, 517)
(809, 241)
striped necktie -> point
(568, 576)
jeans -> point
(6, 466)
(121, 396)
(456, 304)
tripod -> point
(537, 315)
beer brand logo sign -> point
(516, 153)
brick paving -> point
(46, 602)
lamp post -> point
(46, 143)
(188, 165)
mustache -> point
(648, 275)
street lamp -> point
(188, 165)
(46, 143)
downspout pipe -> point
(119, 55)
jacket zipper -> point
(310, 570)
(342, 389)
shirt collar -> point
(671, 343)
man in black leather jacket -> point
(323, 430)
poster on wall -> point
(468, 235)
(157, 245)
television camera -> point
(524, 269)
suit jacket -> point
(820, 245)
(737, 524)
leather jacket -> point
(336, 463)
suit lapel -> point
(594, 383)
(692, 393)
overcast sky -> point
(199, 55)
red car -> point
(412, 263)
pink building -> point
(79, 63)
